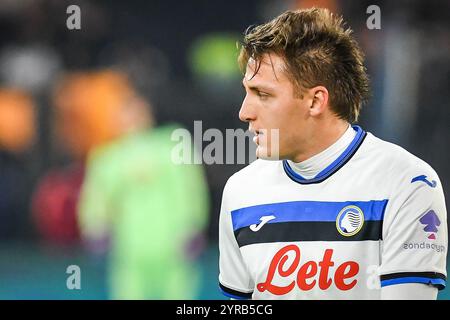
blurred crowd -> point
(86, 118)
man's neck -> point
(327, 135)
(311, 167)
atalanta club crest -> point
(349, 221)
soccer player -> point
(340, 214)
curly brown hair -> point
(318, 50)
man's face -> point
(269, 105)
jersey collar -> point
(334, 166)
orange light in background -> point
(87, 109)
(17, 120)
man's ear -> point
(319, 100)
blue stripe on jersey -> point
(390, 282)
(318, 211)
(232, 296)
(334, 166)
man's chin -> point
(266, 154)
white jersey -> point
(375, 217)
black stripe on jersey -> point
(305, 231)
(432, 275)
(234, 293)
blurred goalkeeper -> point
(153, 212)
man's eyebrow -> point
(256, 87)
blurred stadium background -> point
(69, 99)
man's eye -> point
(262, 95)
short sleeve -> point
(415, 237)
(234, 279)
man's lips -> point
(256, 137)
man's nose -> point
(246, 114)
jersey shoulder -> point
(394, 160)
(255, 174)
(258, 169)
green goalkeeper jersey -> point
(149, 207)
